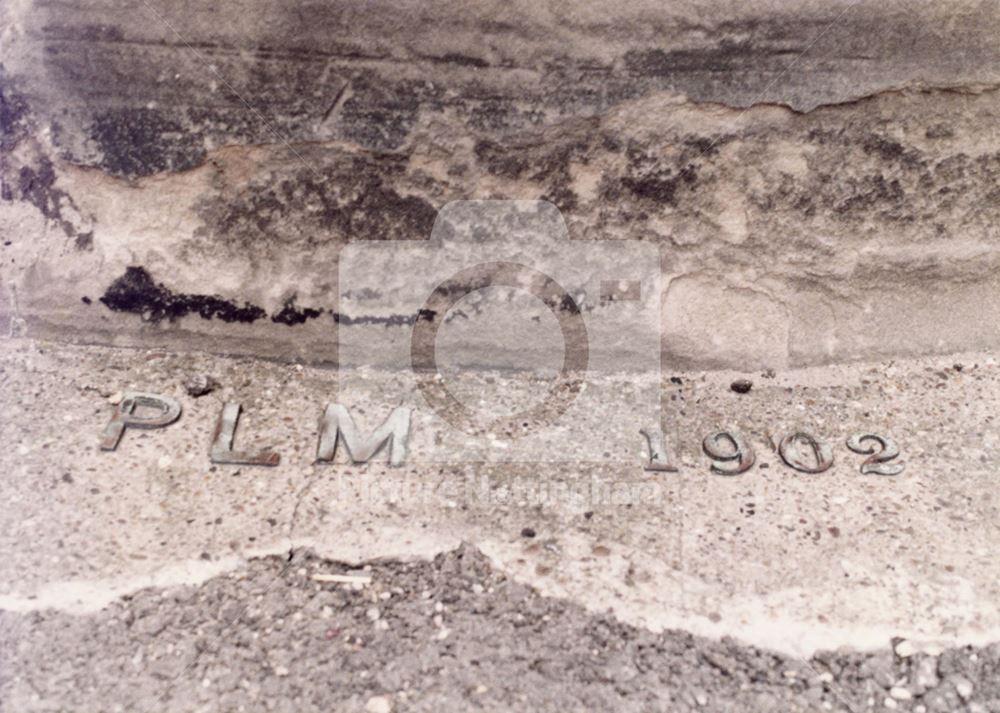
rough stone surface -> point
(821, 177)
(449, 634)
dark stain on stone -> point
(661, 186)
(291, 315)
(36, 185)
(13, 114)
(707, 145)
(380, 114)
(939, 131)
(136, 292)
(889, 150)
(869, 192)
(85, 241)
(500, 160)
(542, 158)
(141, 142)
(562, 197)
(728, 55)
(498, 115)
(463, 60)
(351, 198)
(33, 181)
(393, 320)
(100, 33)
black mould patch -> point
(353, 199)
(292, 315)
(34, 180)
(141, 142)
(541, 159)
(13, 114)
(500, 160)
(135, 292)
(662, 186)
(37, 185)
(379, 114)
(394, 320)
(890, 151)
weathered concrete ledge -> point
(187, 179)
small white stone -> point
(379, 704)
(164, 461)
(900, 693)
(890, 704)
(926, 675)
(115, 398)
(280, 671)
(963, 686)
(905, 649)
(826, 677)
(373, 614)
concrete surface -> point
(799, 164)
(792, 562)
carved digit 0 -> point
(791, 448)
(877, 462)
(741, 452)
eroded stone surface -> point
(849, 213)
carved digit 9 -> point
(741, 452)
(790, 451)
(877, 463)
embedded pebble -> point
(741, 386)
(379, 704)
(900, 693)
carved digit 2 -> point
(877, 461)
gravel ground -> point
(448, 634)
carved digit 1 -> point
(791, 453)
(659, 457)
(877, 462)
(742, 452)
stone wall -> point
(823, 178)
